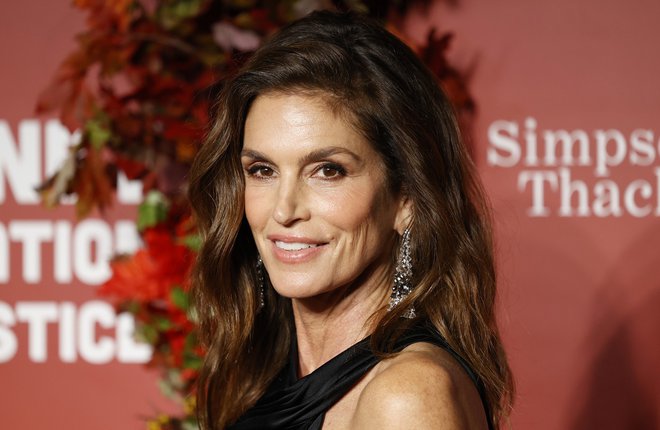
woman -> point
(346, 278)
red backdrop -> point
(567, 140)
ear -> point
(404, 214)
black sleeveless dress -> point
(301, 403)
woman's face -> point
(316, 197)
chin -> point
(299, 292)
(293, 288)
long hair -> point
(389, 96)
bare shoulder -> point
(423, 387)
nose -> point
(291, 203)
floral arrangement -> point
(139, 88)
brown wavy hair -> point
(373, 78)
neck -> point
(330, 323)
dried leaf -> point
(59, 184)
(229, 37)
(92, 183)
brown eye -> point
(260, 171)
(265, 171)
(331, 171)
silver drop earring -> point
(402, 276)
(260, 281)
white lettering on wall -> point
(128, 192)
(4, 255)
(127, 240)
(31, 234)
(30, 152)
(22, 169)
(538, 180)
(128, 349)
(641, 143)
(95, 350)
(37, 315)
(602, 149)
(551, 139)
(91, 332)
(577, 198)
(67, 332)
(505, 149)
(92, 235)
(607, 201)
(645, 192)
(62, 253)
(570, 188)
(20, 161)
(81, 249)
(8, 343)
(605, 158)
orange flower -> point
(151, 273)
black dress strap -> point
(301, 403)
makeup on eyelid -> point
(339, 170)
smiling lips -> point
(295, 249)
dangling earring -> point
(260, 281)
(402, 276)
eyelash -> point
(255, 171)
(333, 166)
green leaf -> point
(192, 362)
(172, 378)
(192, 242)
(167, 388)
(172, 14)
(162, 324)
(98, 132)
(146, 333)
(191, 341)
(180, 298)
(153, 210)
(189, 425)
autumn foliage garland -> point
(139, 88)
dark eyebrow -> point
(316, 155)
(322, 153)
(254, 155)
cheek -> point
(354, 210)
(255, 209)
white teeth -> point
(293, 246)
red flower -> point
(151, 273)
(177, 343)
